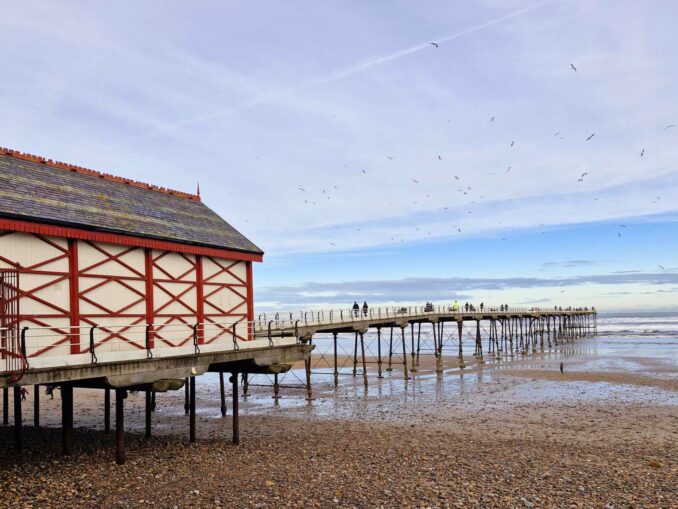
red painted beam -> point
(199, 299)
(125, 240)
(148, 262)
(250, 299)
(74, 291)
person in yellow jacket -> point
(455, 306)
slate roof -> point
(37, 189)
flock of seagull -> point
(465, 190)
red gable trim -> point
(93, 173)
(125, 240)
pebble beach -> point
(508, 434)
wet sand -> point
(514, 433)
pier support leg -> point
(153, 401)
(222, 393)
(390, 352)
(460, 327)
(276, 387)
(191, 410)
(187, 395)
(5, 406)
(149, 406)
(479, 343)
(66, 420)
(336, 368)
(36, 406)
(236, 415)
(379, 375)
(413, 369)
(120, 454)
(436, 345)
(405, 374)
(418, 343)
(18, 422)
(362, 350)
(309, 387)
(245, 385)
(107, 411)
(355, 355)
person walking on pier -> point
(356, 308)
(455, 306)
(365, 308)
(466, 307)
(24, 393)
(482, 305)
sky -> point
(367, 162)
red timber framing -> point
(250, 299)
(72, 283)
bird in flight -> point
(623, 225)
(642, 153)
(434, 44)
(301, 189)
(389, 157)
(573, 67)
(415, 181)
(333, 244)
(492, 119)
(513, 143)
(440, 158)
(661, 267)
(556, 134)
(587, 139)
(364, 172)
(669, 126)
(456, 177)
(508, 169)
(584, 174)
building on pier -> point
(90, 249)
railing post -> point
(149, 353)
(93, 355)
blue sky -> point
(368, 163)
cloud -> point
(438, 289)
(571, 263)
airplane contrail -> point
(332, 76)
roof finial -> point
(198, 192)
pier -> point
(404, 336)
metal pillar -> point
(5, 406)
(379, 375)
(336, 368)
(436, 344)
(390, 351)
(478, 343)
(236, 416)
(413, 369)
(120, 454)
(149, 406)
(307, 365)
(405, 374)
(36, 406)
(107, 411)
(245, 385)
(418, 342)
(191, 410)
(276, 387)
(18, 422)
(222, 392)
(362, 350)
(460, 327)
(187, 395)
(355, 355)
(66, 420)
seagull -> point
(508, 169)
(415, 181)
(618, 234)
(333, 244)
(584, 174)
(440, 158)
(364, 172)
(556, 134)
(669, 126)
(623, 225)
(661, 267)
(492, 119)
(642, 153)
(389, 157)
(301, 189)
(573, 67)
(459, 230)
(587, 139)
(513, 143)
(580, 180)
(434, 44)
(456, 177)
